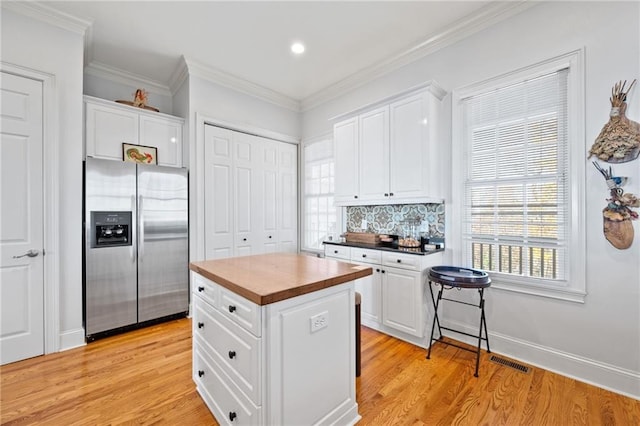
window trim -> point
(575, 288)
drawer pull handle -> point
(232, 354)
(200, 373)
(200, 325)
(232, 308)
(399, 260)
(200, 289)
(232, 415)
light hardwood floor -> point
(144, 377)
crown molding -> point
(116, 75)
(179, 75)
(224, 79)
(486, 17)
(42, 12)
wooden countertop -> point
(269, 278)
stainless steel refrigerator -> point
(135, 245)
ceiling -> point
(250, 40)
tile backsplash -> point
(388, 219)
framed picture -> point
(139, 154)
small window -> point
(320, 216)
(519, 135)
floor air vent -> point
(508, 363)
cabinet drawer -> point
(241, 311)
(340, 252)
(366, 255)
(227, 404)
(205, 288)
(234, 349)
(398, 260)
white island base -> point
(291, 362)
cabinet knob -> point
(382, 271)
(355, 196)
(232, 415)
(269, 236)
(377, 269)
(200, 373)
(200, 325)
(200, 289)
(232, 354)
(386, 194)
(364, 255)
(399, 260)
(244, 239)
(391, 194)
(335, 252)
(232, 308)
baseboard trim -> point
(606, 376)
(72, 339)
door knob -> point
(30, 253)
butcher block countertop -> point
(270, 278)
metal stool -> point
(448, 277)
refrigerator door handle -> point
(132, 248)
(140, 229)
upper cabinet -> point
(108, 125)
(390, 153)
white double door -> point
(22, 219)
(250, 194)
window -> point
(519, 135)
(320, 217)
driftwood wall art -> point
(619, 139)
(617, 216)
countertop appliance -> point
(136, 263)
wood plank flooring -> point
(144, 377)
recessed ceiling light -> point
(297, 48)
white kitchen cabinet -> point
(345, 138)
(250, 194)
(108, 125)
(395, 298)
(390, 153)
(264, 365)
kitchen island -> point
(274, 339)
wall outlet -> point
(364, 225)
(319, 321)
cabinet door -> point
(402, 294)
(287, 211)
(166, 136)
(218, 193)
(374, 155)
(248, 197)
(345, 139)
(409, 147)
(270, 194)
(369, 288)
(107, 129)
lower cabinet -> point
(394, 299)
(266, 365)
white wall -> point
(42, 47)
(598, 341)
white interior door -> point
(21, 224)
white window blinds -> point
(516, 215)
(319, 211)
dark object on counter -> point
(448, 277)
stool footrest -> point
(454, 344)
(462, 332)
